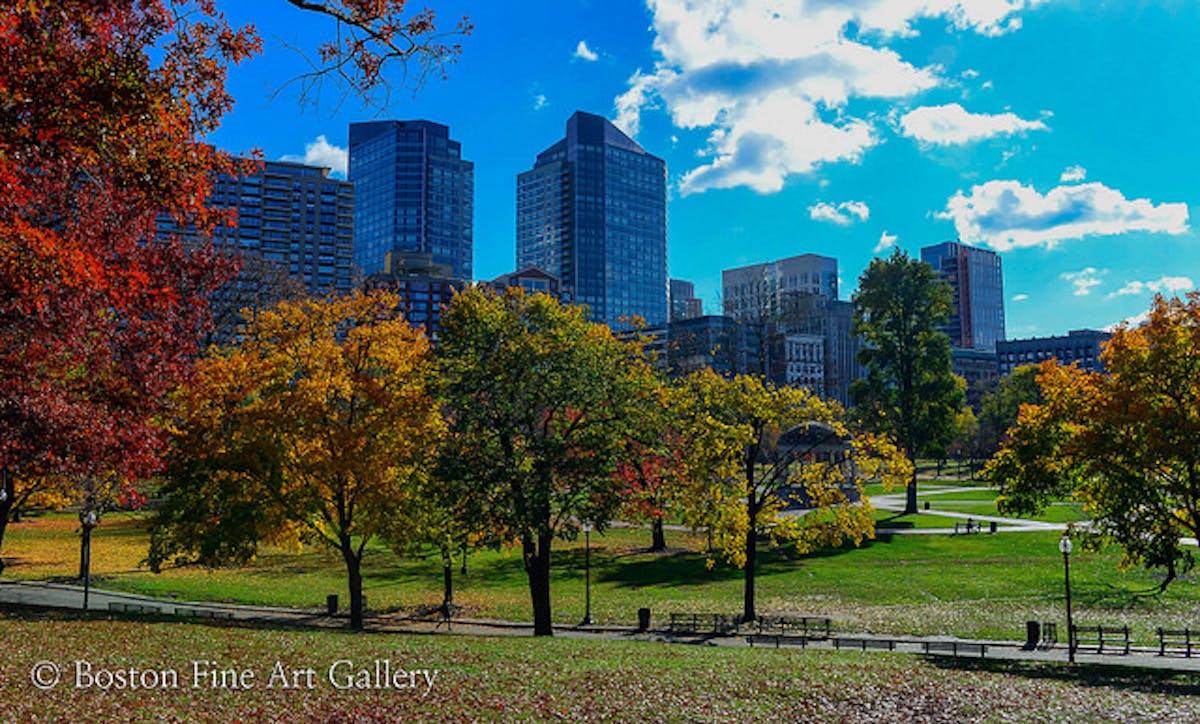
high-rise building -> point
(294, 233)
(593, 212)
(978, 282)
(684, 304)
(758, 290)
(414, 194)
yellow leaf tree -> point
(776, 463)
(319, 424)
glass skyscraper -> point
(593, 212)
(414, 194)
(978, 282)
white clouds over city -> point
(1083, 280)
(952, 124)
(1163, 285)
(583, 52)
(843, 214)
(886, 241)
(323, 153)
(771, 82)
(1007, 214)
(1072, 174)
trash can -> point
(993, 526)
(926, 505)
(1033, 635)
(331, 603)
(643, 619)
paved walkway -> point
(63, 596)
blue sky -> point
(1060, 133)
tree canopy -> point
(541, 402)
(1122, 441)
(910, 392)
(318, 425)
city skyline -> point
(981, 144)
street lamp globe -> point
(3, 495)
(1064, 544)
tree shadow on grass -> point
(1111, 676)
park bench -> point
(202, 613)
(813, 627)
(1176, 641)
(703, 623)
(955, 648)
(133, 608)
(1101, 639)
(864, 643)
(778, 639)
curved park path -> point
(944, 494)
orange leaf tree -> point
(1123, 441)
(319, 425)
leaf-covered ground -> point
(492, 679)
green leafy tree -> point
(318, 426)
(541, 405)
(1123, 441)
(999, 408)
(757, 447)
(909, 392)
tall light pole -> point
(1064, 545)
(88, 520)
(587, 575)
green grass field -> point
(978, 586)
(506, 679)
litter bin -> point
(1033, 635)
(331, 603)
(643, 619)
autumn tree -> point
(1122, 441)
(765, 449)
(319, 425)
(541, 402)
(909, 393)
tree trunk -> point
(354, 571)
(659, 540)
(463, 570)
(748, 613)
(910, 503)
(447, 582)
(537, 568)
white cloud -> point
(1131, 322)
(952, 124)
(583, 52)
(322, 153)
(1084, 279)
(1006, 214)
(842, 214)
(1072, 174)
(771, 82)
(1162, 285)
(539, 101)
(886, 241)
(1020, 297)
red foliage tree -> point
(97, 319)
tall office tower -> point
(294, 233)
(757, 291)
(414, 194)
(593, 212)
(684, 304)
(978, 282)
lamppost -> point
(587, 575)
(1064, 545)
(88, 521)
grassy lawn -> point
(496, 679)
(979, 585)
